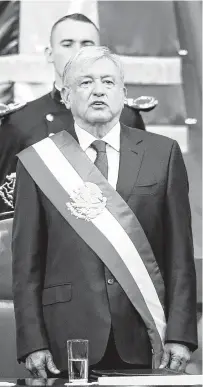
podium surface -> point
(148, 379)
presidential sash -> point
(104, 221)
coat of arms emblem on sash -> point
(87, 201)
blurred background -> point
(160, 43)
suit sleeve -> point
(180, 276)
(29, 252)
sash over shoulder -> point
(104, 221)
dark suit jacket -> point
(60, 285)
(29, 125)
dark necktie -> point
(101, 161)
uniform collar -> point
(86, 139)
(56, 95)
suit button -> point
(110, 281)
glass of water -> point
(77, 361)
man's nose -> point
(98, 88)
(76, 47)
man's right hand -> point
(37, 363)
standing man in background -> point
(40, 118)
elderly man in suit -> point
(41, 117)
(102, 243)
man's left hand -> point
(175, 356)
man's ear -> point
(65, 95)
(125, 92)
(48, 54)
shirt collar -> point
(113, 137)
(86, 139)
(57, 87)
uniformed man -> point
(41, 118)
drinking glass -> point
(77, 360)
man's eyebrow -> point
(72, 40)
(85, 76)
(66, 41)
(91, 76)
(108, 76)
(87, 41)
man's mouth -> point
(98, 103)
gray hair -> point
(89, 55)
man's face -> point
(96, 93)
(67, 39)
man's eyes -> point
(85, 83)
(70, 43)
(108, 82)
(67, 44)
(85, 44)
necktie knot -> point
(99, 146)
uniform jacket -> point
(61, 288)
(36, 121)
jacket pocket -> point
(145, 188)
(56, 294)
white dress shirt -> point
(112, 138)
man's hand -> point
(33, 382)
(175, 357)
(37, 363)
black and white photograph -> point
(100, 193)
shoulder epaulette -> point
(144, 103)
(10, 108)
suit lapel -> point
(131, 156)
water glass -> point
(77, 361)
